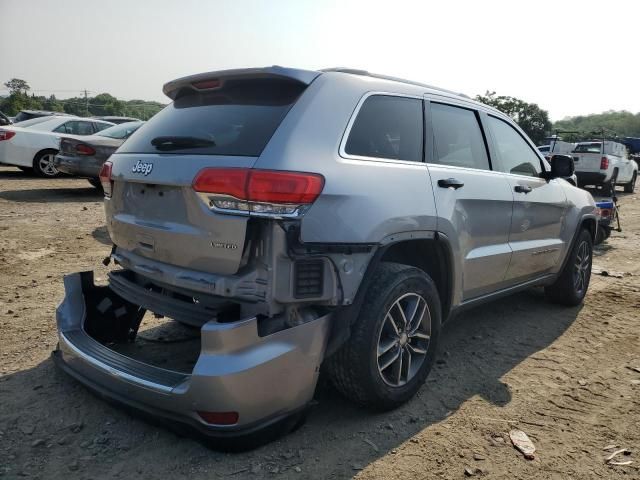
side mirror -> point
(562, 166)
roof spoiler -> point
(171, 89)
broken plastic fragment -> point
(522, 443)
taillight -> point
(262, 192)
(220, 418)
(604, 163)
(105, 179)
(82, 149)
(6, 134)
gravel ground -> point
(569, 378)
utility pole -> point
(86, 102)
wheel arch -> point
(432, 256)
(43, 151)
(431, 253)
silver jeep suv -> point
(292, 219)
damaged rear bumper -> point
(266, 379)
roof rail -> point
(355, 71)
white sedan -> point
(33, 144)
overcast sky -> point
(570, 57)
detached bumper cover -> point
(264, 379)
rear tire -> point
(571, 286)
(43, 164)
(631, 186)
(393, 341)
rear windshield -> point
(33, 121)
(124, 130)
(237, 119)
(588, 148)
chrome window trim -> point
(352, 119)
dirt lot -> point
(564, 376)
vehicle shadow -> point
(478, 348)
(52, 194)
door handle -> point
(450, 183)
(522, 188)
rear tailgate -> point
(587, 162)
(587, 156)
(222, 121)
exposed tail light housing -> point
(84, 149)
(604, 163)
(258, 192)
(105, 179)
(6, 134)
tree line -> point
(19, 98)
(531, 118)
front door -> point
(473, 202)
(539, 206)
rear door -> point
(473, 202)
(154, 211)
(539, 206)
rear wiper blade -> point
(178, 142)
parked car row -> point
(33, 142)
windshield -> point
(588, 148)
(237, 119)
(122, 131)
(33, 121)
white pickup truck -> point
(604, 164)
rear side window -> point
(76, 128)
(516, 156)
(237, 119)
(457, 137)
(387, 127)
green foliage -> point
(623, 123)
(102, 104)
(16, 85)
(529, 116)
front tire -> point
(43, 164)
(571, 286)
(631, 186)
(393, 341)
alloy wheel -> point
(582, 268)
(46, 166)
(404, 339)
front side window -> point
(516, 156)
(457, 137)
(388, 127)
